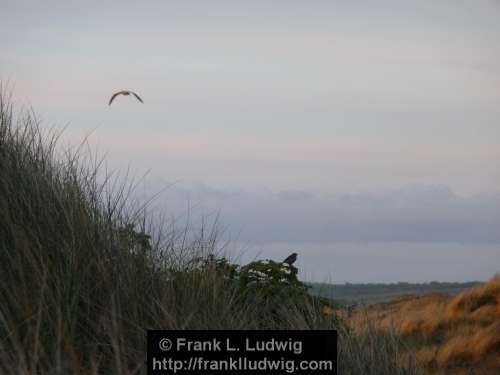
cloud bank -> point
(411, 214)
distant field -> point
(371, 293)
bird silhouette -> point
(124, 92)
(291, 259)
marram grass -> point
(84, 272)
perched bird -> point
(124, 92)
(291, 259)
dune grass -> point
(451, 334)
(84, 272)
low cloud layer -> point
(412, 214)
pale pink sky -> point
(321, 97)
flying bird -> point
(124, 92)
(290, 259)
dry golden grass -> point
(451, 334)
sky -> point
(364, 136)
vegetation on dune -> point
(455, 334)
(84, 272)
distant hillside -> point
(369, 293)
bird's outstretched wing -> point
(137, 96)
(114, 96)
